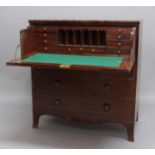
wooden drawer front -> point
(124, 49)
(58, 83)
(119, 44)
(120, 30)
(43, 29)
(70, 50)
(45, 43)
(70, 83)
(43, 35)
(49, 37)
(46, 103)
(119, 37)
(110, 89)
(45, 39)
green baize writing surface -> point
(68, 59)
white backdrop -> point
(15, 82)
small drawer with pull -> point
(119, 44)
(119, 37)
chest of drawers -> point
(83, 71)
(84, 97)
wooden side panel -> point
(26, 42)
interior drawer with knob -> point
(47, 103)
(43, 35)
(121, 37)
(45, 39)
(120, 30)
(119, 44)
(43, 29)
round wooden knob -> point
(44, 28)
(106, 107)
(119, 44)
(93, 50)
(106, 87)
(119, 51)
(57, 102)
(119, 37)
(119, 30)
(56, 83)
(81, 49)
(45, 48)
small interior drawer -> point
(119, 37)
(119, 44)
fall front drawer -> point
(47, 103)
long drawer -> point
(82, 105)
(68, 83)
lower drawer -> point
(47, 102)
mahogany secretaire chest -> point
(82, 71)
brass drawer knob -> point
(57, 102)
(106, 107)
(56, 83)
(93, 50)
(45, 48)
(119, 37)
(106, 87)
(119, 44)
(45, 34)
(81, 49)
(119, 51)
(44, 28)
(119, 30)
